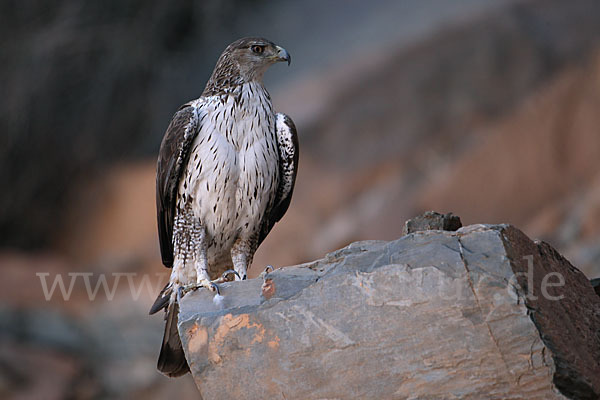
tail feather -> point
(171, 360)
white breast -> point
(233, 169)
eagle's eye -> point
(257, 49)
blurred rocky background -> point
(485, 108)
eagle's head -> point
(246, 60)
(254, 55)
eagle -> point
(225, 175)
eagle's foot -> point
(185, 289)
(266, 271)
(210, 285)
(203, 283)
(225, 276)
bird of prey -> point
(225, 175)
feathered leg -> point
(191, 248)
(200, 248)
(242, 253)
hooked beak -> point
(283, 55)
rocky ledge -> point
(480, 312)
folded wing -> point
(172, 159)
(287, 144)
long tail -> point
(171, 360)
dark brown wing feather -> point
(172, 159)
(287, 144)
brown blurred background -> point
(486, 108)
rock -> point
(432, 220)
(482, 312)
(596, 285)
